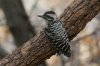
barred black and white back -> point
(56, 33)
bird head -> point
(49, 16)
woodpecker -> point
(56, 33)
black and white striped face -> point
(49, 16)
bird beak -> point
(41, 16)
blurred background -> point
(19, 23)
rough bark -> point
(17, 20)
(39, 48)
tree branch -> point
(38, 49)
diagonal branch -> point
(38, 49)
